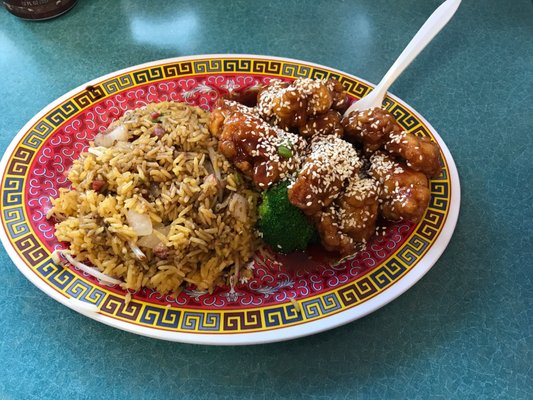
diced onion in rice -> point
(123, 145)
(213, 158)
(238, 206)
(140, 223)
(55, 256)
(223, 204)
(153, 239)
(211, 180)
(108, 139)
(149, 241)
(91, 270)
(138, 252)
(209, 167)
(97, 151)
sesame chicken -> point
(330, 163)
(296, 133)
(289, 105)
(419, 153)
(340, 99)
(223, 109)
(378, 129)
(351, 219)
(370, 127)
(317, 94)
(328, 123)
(282, 104)
(263, 152)
(405, 193)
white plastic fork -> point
(425, 34)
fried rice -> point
(153, 204)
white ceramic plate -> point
(280, 302)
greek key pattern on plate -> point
(261, 308)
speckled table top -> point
(464, 331)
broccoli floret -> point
(284, 227)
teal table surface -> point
(463, 332)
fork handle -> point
(425, 34)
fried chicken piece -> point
(289, 105)
(313, 189)
(331, 238)
(372, 128)
(283, 104)
(223, 109)
(338, 95)
(247, 97)
(328, 123)
(264, 153)
(358, 209)
(405, 194)
(419, 153)
(316, 92)
(351, 219)
(377, 129)
(331, 161)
